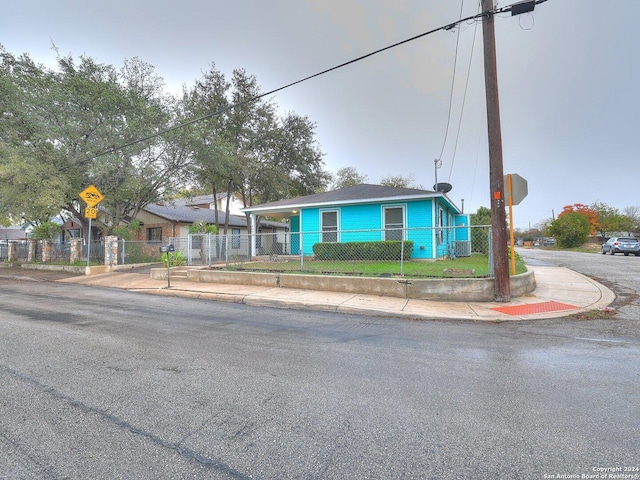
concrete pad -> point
(373, 302)
(564, 285)
(431, 309)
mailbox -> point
(167, 248)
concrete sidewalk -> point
(559, 292)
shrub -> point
(571, 229)
(45, 231)
(176, 258)
(382, 250)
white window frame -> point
(403, 207)
(337, 226)
(440, 231)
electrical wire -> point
(450, 26)
(453, 83)
(464, 100)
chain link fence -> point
(350, 252)
(384, 252)
(134, 251)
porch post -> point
(253, 235)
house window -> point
(329, 225)
(235, 238)
(154, 234)
(393, 223)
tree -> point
(88, 123)
(46, 231)
(67, 126)
(211, 148)
(30, 189)
(400, 182)
(571, 229)
(543, 226)
(633, 214)
(246, 146)
(587, 212)
(609, 220)
(347, 177)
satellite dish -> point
(442, 187)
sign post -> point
(92, 197)
(168, 249)
(516, 191)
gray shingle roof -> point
(184, 214)
(362, 193)
(12, 233)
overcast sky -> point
(569, 77)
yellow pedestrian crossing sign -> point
(92, 196)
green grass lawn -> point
(476, 266)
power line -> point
(464, 99)
(453, 83)
(450, 26)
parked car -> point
(624, 245)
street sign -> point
(91, 212)
(519, 189)
(92, 196)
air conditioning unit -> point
(463, 249)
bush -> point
(571, 229)
(45, 231)
(383, 250)
(176, 258)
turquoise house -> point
(372, 213)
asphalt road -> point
(103, 383)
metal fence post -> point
(226, 249)
(402, 254)
(301, 252)
(491, 272)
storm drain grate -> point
(533, 308)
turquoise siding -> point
(420, 223)
(358, 223)
(463, 234)
(310, 226)
(420, 214)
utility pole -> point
(502, 285)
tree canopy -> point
(610, 220)
(571, 229)
(86, 122)
(347, 177)
(63, 130)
